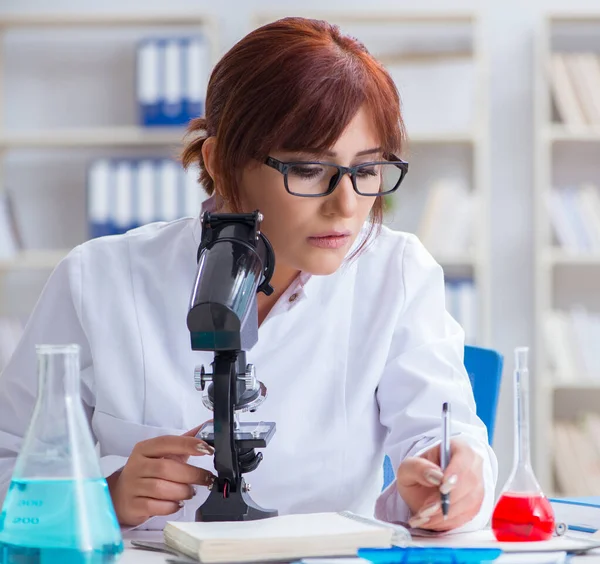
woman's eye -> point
(303, 171)
(370, 171)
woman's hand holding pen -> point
(421, 481)
(157, 478)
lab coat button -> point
(293, 298)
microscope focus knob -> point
(199, 378)
(250, 377)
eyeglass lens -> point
(314, 179)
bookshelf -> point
(564, 278)
(110, 137)
(68, 138)
(399, 38)
(34, 260)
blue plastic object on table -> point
(429, 555)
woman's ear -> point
(209, 157)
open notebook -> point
(285, 537)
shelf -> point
(591, 385)
(98, 20)
(130, 136)
(392, 17)
(574, 17)
(456, 261)
(422, 57)
(559, 257)
(561, 133)
(125, 136)
(34, 260)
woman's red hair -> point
(292, 84)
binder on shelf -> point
(147, 186)
(123, 194)
(172, 75)
(98, 199)
(195, 75)
(123, 218)
(171, 189)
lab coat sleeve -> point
(424, 369)
(56, 319)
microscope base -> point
(237, 506)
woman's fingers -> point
(419, 471)
(172, 445)
(463, 480)
(166, 490)
(146, 507)
(463, 460)
(461, 511)
(175, 471)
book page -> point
(309, 525)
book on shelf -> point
(571, 339)
(461, 304)
(446, 226)
(574, 213)
(576, 454)
(126, 193)
(172, 77)
(575, 83)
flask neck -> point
(58, 378)
(522, 437)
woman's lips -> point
(329, 241)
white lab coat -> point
(357, 364)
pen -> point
(445, 453)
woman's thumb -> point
(417, 470)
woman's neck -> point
(281, 280)
(282, 277)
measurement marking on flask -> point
(31, 503)
(26, 521)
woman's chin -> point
(323, 264)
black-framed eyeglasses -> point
(311, 179)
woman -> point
(355, 346)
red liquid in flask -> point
(521, 517)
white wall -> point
(510, 32)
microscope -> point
(235, 262)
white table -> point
(137, 556)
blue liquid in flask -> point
(59, 522)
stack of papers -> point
(486, 539)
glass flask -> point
(523, 512)
(58, 509)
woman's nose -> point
(344, 197)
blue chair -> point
(484, 367)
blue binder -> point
(171, 80)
